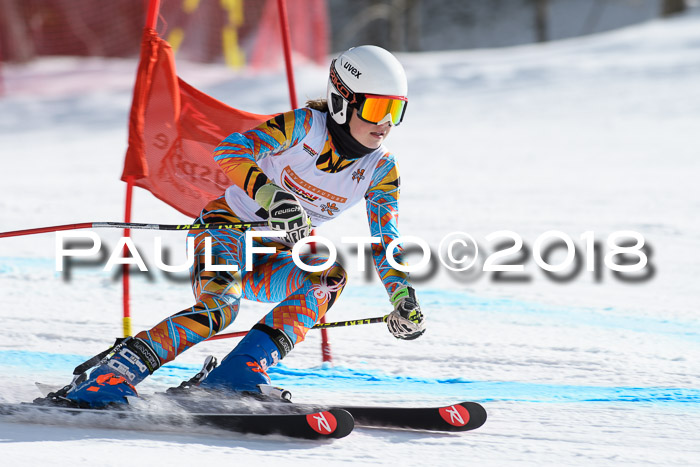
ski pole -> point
(334, 324)
(132, 225)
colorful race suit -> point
(295, 151)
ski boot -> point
(243, 370)
(120, 368)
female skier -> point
(297, 171)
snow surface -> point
(593, 134)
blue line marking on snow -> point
(449, 300)
(438, 300)
(373, 381)
(16, 265)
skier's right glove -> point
(406, 321)
(285, 213)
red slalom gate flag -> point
(173, 130)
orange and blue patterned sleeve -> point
(238, 154)
(383, 213)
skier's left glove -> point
(406, 321)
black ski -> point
(457, 417)
(463, 416)
(332, 423)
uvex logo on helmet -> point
(353, 71)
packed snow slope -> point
(598, 134)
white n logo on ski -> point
(322, 422)
(323, 425)
(455, 416)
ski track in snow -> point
(596, 133)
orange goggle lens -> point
(375, 108)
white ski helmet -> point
(362, 70)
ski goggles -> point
(382, 109)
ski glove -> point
(406, 321)
(285, 213)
